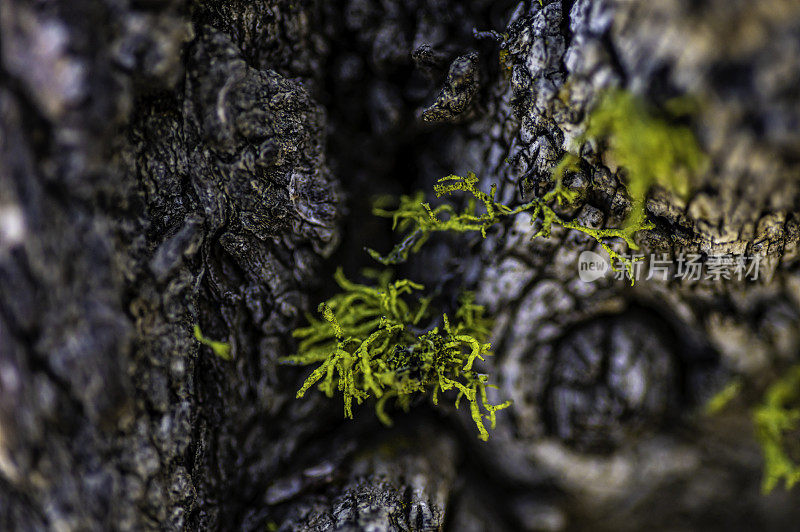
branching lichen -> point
(652, 151)
(777, 419)
(370, 343)
(418, 220)
(221, 349)
(776, 422)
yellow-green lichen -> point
(777, 421)
(652, 150)
(418, 220)
(720, 400)
(371, 343)
(221, 349)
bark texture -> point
(167, 164)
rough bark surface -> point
(167, 164)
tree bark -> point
(167, 164)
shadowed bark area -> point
(169, 164)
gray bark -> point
(166, 164)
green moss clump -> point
(221, 349)
(776, 419)
(418, 220)
(653, 150)
(370, 344)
